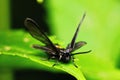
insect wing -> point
(77, 45)
(37, 33)
(44, 48)
(72, 44)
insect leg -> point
(57, 60)
(72, 58)
(46, 59)
(55, 63)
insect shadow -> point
(64, 55)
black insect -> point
(64, 55)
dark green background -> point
(100, 30)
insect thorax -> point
(64, 56)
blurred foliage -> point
(100, 30)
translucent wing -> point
(45, 48)
(72, 44)
(77, 45)
(38, 34)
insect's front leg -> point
(54, 57)
(48, 58)
(58, 58)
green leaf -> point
(16, 52)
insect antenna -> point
(81, 52)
